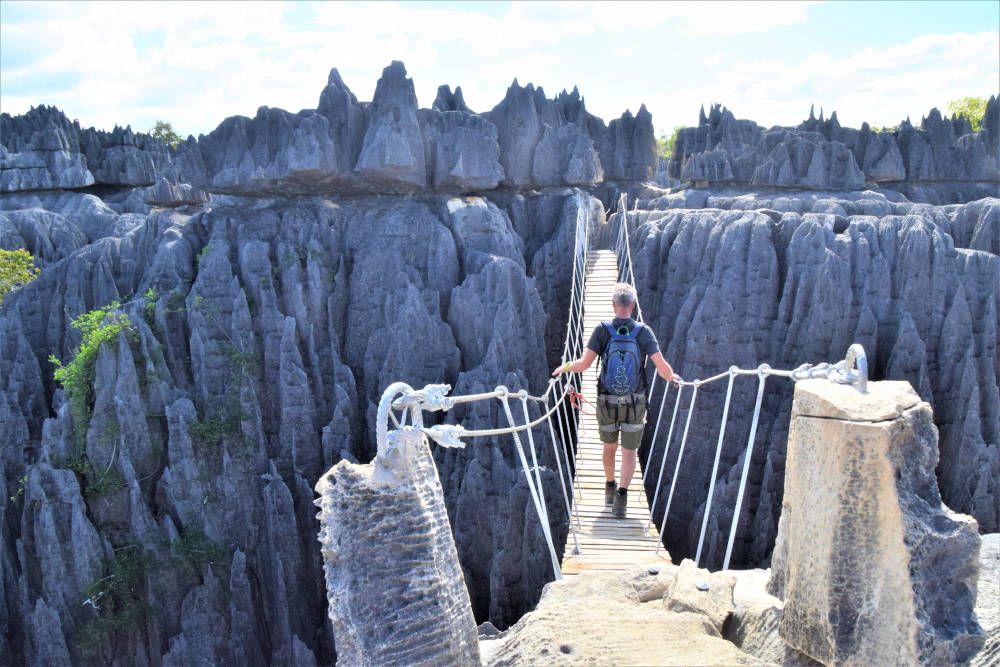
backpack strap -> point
(635, 330)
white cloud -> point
(880, 86)
(215, 61)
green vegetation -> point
(209, 431)
(197, 549)
(973, 108)
(17, 269)
(117, 599)
(99, 326)
(665, 144)
(150, 297)
(20, 489)
(892, 130)
(165, 131)
(94, 483)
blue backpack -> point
(621, 362)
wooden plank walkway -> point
(606, 543)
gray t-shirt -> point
(646, 340)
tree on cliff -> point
(665, 144)
(165, 131)
(973, 108)
(17, 268)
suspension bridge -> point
(558, 417)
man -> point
(623, 345)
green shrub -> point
(165, 131)
(20, 489)
(196, 548)
(665, 143)
(973, 108)
(117, 600)
(149, 307)
(99, 326)
(93, 483)
(211, 430)
(17, 268)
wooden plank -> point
(606, 543)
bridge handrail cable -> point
(435, 397)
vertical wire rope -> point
(677, 467)
(656, 431)
(715, 465)
(543, 514)
(761, 379)
(663, 461)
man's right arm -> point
(590, 353)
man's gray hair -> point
(624, 294)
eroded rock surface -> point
(872, 567)
(394, 584)
(251, 367)
(729, 277)
(988, 600)
(280, 269)
(624, 618)
(941, 160)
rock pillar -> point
(872, 567)
(394, 585)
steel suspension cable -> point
(761, 379)
(543, 515)
(562, 482)
(677, 467)
(715, 466)
(656, 431)
(663, 461)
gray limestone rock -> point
(753, 624)
(860, 499)
(273, 327)
(43, 150)
(988, 600)
(394, 585)
(628, 149)
(612, 618)
(939, 160)
(702, 592)
(449, 101)
(343, 146)
(808, 285)
(461, 151)
(393, 150)
(566, 156)
(169, 194)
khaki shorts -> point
(625, 418)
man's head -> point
(623, 299)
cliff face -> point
(280, 271)
(255, 365)
(941, 161)
(385, 146)
(176, 510)
(758, 278)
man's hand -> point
(561, 369)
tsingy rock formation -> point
(872, 568)
(942, 159)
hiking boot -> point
(618, 508)
(609, 492)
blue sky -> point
(197, 63)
